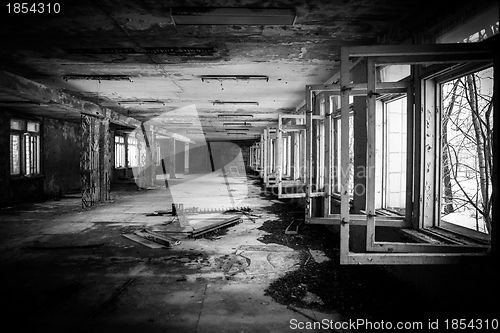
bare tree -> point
(448, 193)
(468, 109)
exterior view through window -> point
(466, 136)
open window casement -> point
(254, 155)
(290, 165)
(402, 170)
(269, 154)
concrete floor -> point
(64, 269)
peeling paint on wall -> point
(61, 156)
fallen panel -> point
(157, 238)
(145, 242)
(215, 226)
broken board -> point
(145, 242)
(157, 238)
(215, 226)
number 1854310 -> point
(33, 8)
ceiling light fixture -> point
(97, 77)
(236, 133)
(236, 129)
(234, 77)
(181, 51)
(141, 102)
(234, 102)
(232, 16)
(234, 115)
(238, 124)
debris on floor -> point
(245, 211)
(196, 210)
(318, 256)
(143, 241)
(215, 226)
(152, 239)
(293, 228)
(310, 298)
(232, 264)
(157, 238)
(172, 212)
(160, 213)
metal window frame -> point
(32, 140)
(422, 136)
(289, 126)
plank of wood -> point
(157, 238)
(145, 242)
(170, 239)
(293, 228)
(215, 226)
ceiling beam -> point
(34, 92)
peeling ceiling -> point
(130, 56)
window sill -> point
(445, 235)
(24, 177)
(465, 232)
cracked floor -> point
(64, 269)
(71, 270)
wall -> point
(179, 157)
(4, 156)
(61, 156)
(229, 154)
(199, 161)
(15, 188)
(60, 161)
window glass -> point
(394, 197)
(394, 73)
(337, 172)
(24, 147)
(119, 152)
(467, 140)
(17, 124)
(33, 127)
(15, 159)
(133, 152)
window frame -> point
(434, 82)
(422, 159)
(30, 148)
(131, 144)
(290, 135)
(120, 154)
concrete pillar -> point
(171, 158)
(186, 158)
(150, 169)
(104, 160)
